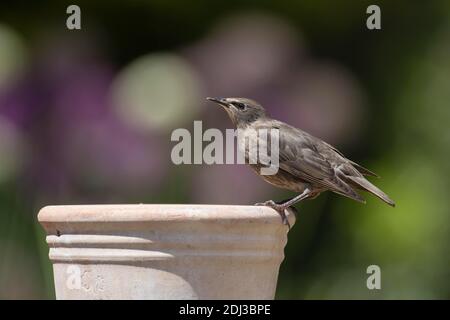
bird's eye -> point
(239, 105)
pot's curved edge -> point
(159, 212)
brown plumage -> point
(307, 164)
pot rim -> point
(159, 212)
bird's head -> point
(242, 111)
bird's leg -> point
(281, 207)
(285, 200)
(305, 194)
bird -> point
(307, 165)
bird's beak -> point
(220, 101)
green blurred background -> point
(86, 117)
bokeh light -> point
(325, 100)
(12, 55)
(245, 52)
(159, 91)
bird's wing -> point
(318, 162)
(302, 156)
(360, 168)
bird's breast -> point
(282, 179)
(253, 144)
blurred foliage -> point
(86, 117)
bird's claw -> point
(278, 208)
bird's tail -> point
(364, 184)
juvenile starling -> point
(307, 165)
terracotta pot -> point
(164, 251)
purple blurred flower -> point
(80, 147)
(229, 184)
(245, 53)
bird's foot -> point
(278, 208)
